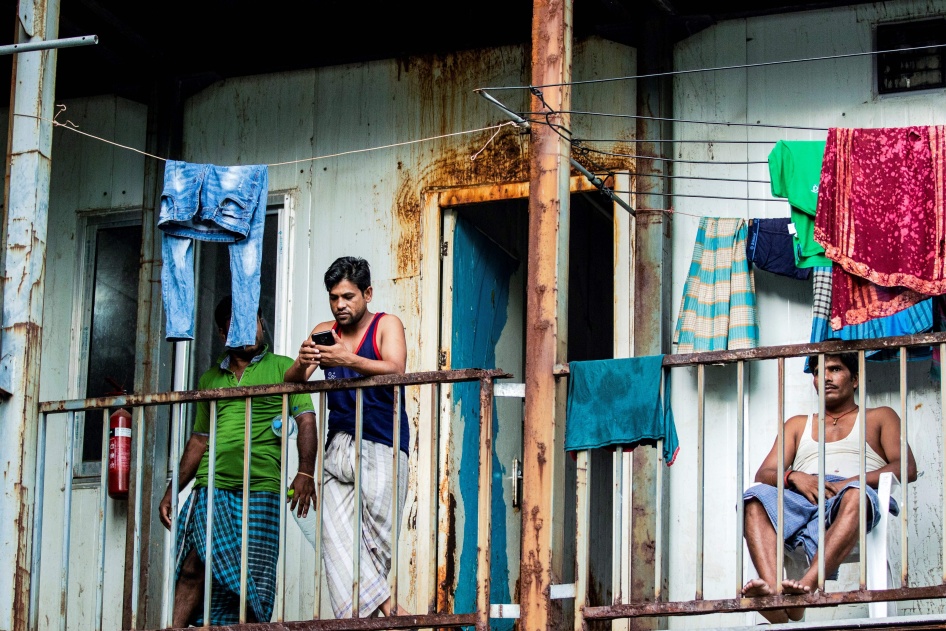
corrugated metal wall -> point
(369, 204)
(366, 204)
(837, 93)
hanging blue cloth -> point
(617, 403)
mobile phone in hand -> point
(323, 338)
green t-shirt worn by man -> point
(265, 369)
(795, 172)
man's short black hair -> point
(350, 268)
(224, 310)
(848, 359)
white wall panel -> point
(814, 94)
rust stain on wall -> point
(503, 160)
(446, 574)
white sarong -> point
(338, 506)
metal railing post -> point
(582, 536)
(209, 534)
(700, 412)
(177, 419)
(904, 480)
(245, 513)
(780, 482)
(66, 522)
(862, 465)
(283, 480)
(320, 487)
(103, 519)
(395, 493)
(942, 406)
(356, 522)
(617, 523)
(740, 474)
(484, 505)
(821, 470)
(36, 562)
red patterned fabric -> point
(882, 217)
(855, 300)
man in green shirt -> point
(245, 366)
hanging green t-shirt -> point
(265, 369)
(795, 172)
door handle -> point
(516, 479)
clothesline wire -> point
(69, 125)
(715, 68)
(580, 148)
(738, 199)
(401, 144)
(696, 177)
(618, 154)
(671, 120)
(682, 140)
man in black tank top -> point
(801, 487)
(361, 344)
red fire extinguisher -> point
(119, 453)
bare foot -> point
(757, 588)
(792, 588)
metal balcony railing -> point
(137, 404)
(657, 604)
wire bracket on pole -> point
(594, 179)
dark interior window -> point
(910, 70)
(111, 357)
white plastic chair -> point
(879, 572)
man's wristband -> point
(787, 473)
(306, 474)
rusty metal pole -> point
(26, 208)
(546, 319)
(651, 295)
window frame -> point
(876, 61)
(89, 224)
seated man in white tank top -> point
(842, 470)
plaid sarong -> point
(801, 516)
(263, 550)
(718, 310)
(338, 506)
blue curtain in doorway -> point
(481, 274)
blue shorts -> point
(769, 247)
(801, 516)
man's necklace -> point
(839, 416)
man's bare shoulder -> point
(390, 319)
(391, 322)
(882, 415)
(324, 326)
(797, 422)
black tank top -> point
(377, 402)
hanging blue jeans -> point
(205, 202)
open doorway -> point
(483, 324)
